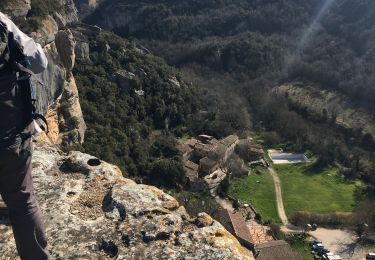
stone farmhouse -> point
(249, 151)
(204, 157)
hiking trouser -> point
(16, 188)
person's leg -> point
(18, 193)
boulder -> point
(82, 48)
(65, 44)
(124, 79)
(174, 82)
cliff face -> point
(92, 212)
(59, 46)
(86, 7)
(113, 15)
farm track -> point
(287, 227)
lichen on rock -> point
(92, 212)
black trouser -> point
(16, 188)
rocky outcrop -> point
(85, 7)
(47, 32)
(65, 44)
(92, 212)
(114, 15)
(82, 47)
(124, 79)
(70, 11)
(53, 77)
(70, 115)
(17, 9)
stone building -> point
(249, 151)
(229, 143)
(193, 182)
(207, 165)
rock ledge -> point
(92, 212)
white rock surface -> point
(92, 212)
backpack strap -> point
(20, 68)
(26, 85)
(41, 117)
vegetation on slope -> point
(132, 131)
(40, 9)
(245, 48)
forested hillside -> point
(254, 37)
(240, 50)
(133, 103)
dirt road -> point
(279, 197)
(287, 227)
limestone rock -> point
(85, 7)
(82, 49)
(71, 12)
(124, 79)
(47, 32)
(71, 116)
(60, 20)
(204, 220)
(53, 78)
(174, 82)
(92, 212)
(54, 129)
(65, 45)
(17, 9)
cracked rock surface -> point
(92, 212)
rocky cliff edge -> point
(92, 212)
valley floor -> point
(306, 187)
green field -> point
(259, 191)
(306, 187)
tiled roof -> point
(191, 175)
(277, 250)
(184, 148)
(191, 142)
(235, 224)
(240, 228)
(191, 165)
(229, 140)
(256, 150)
(224, 219)
(207, 162)
(203, 147)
